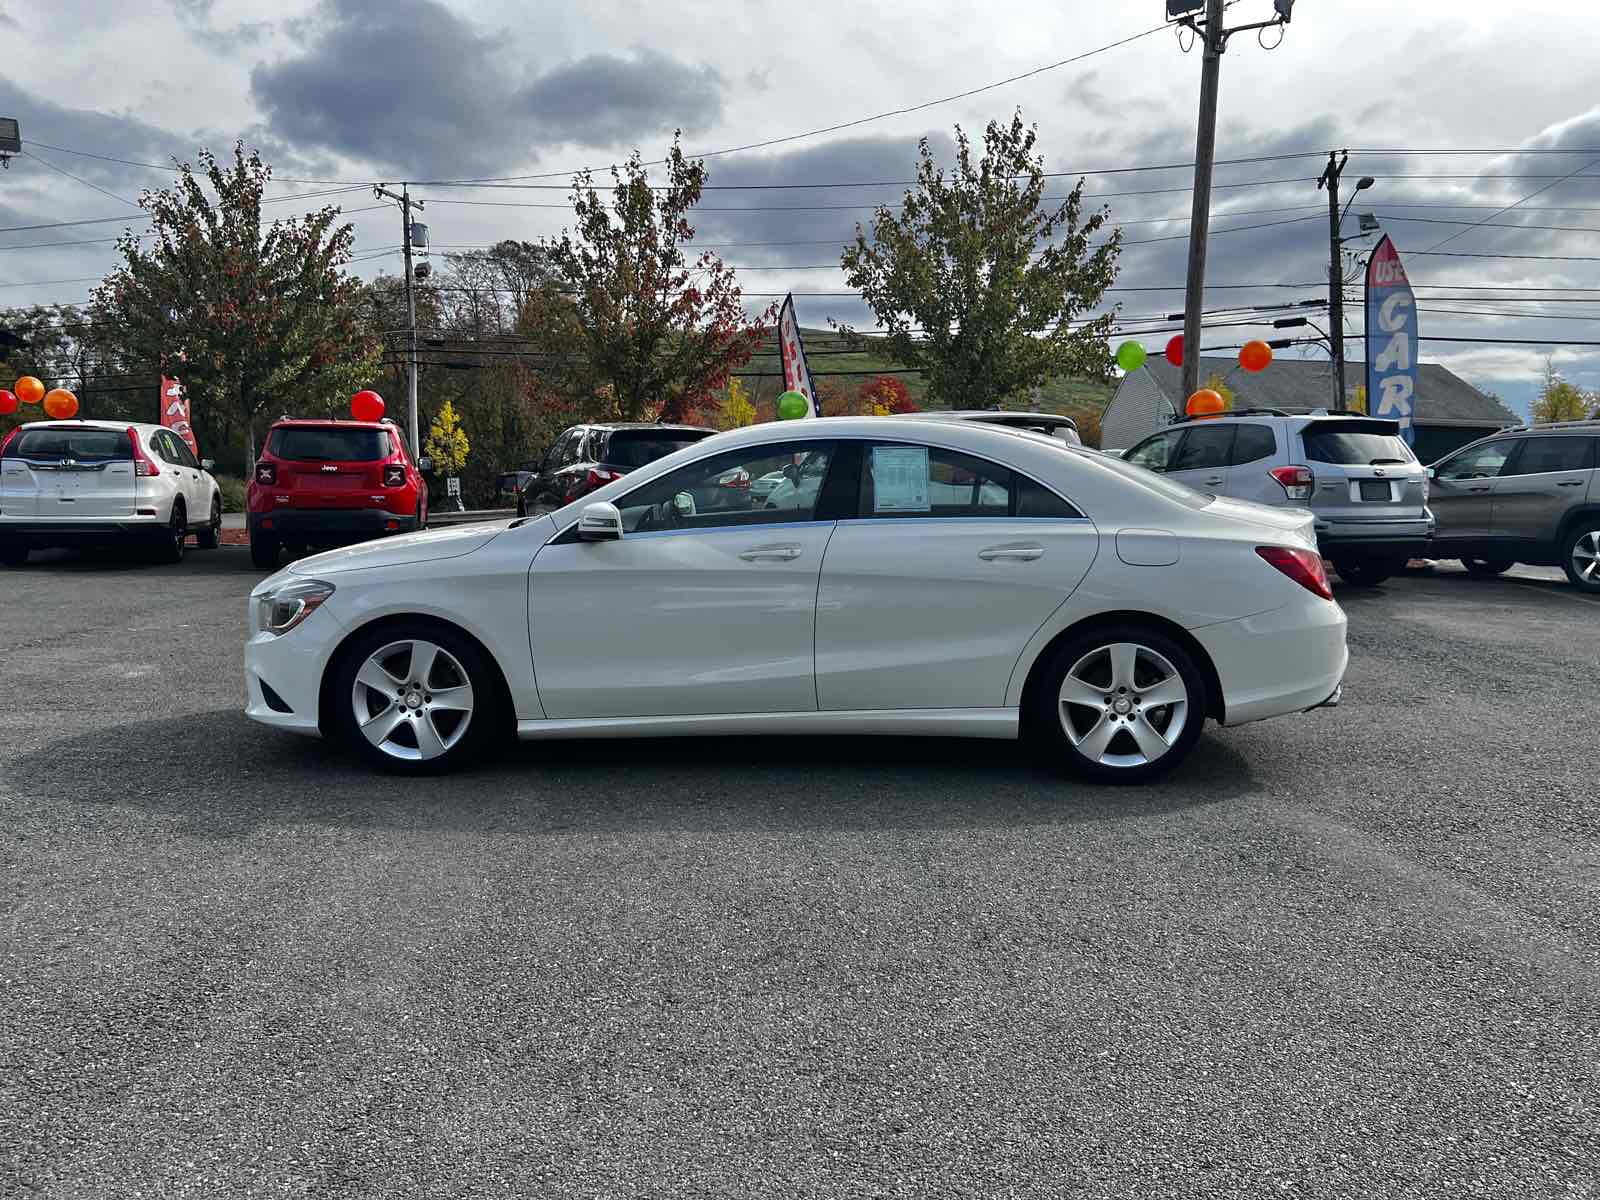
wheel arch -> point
(1584, 512)
(1215, 705)
(325, 690)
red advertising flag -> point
(796, 374)
(175, 412)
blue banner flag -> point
(1391, 340)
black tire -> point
(209, 536)
(1364, 572)
(13, 554)
(422, 516)
(264, 552)
(1487, 568)
(487, 725)
(1050, 714)
(1582, 540)
(170, 543)
(522, 507)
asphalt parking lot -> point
(1351, 953)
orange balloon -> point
(1255, 356)
(1206, 403)
(29, 390)
(61, 404)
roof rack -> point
(1583, 423)
(1179, 418)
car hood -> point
(432, 545)
(1264, 515)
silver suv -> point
(1524, 495)
(1354, 473)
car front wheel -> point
(1580, 556)
(417, 698)
(13, 554)
(1122, 704)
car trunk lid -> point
(331, 466)
(68, 473)
(1364, 471)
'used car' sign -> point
(1391, 339)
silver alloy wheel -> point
(1586, 556)
(1123, 705)
(412, 699)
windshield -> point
(83, 445)
(329, 443)
(1169, 489)
(1347, 447)
(635, 448)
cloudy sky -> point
(351, 91)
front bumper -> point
(62, 533)
(283, 674)
(331, 525)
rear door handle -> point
(785, 553)
(1569, 483)
(1214, 480)
(1011, 553)
(1477, 489)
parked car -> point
(328, 483)
(1525, 495)
(947, 579)
(78, 483)
(586, 457)
(1353, 473)
(1050, 424)
(508, 485)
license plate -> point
(1374, 489)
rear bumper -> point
(329, 524)
(1275, 663)
(47, 533)
(1387, 539)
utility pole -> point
(1215, 41)
(406, 204)
(1329, 178)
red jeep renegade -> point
(329, 483)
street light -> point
(1362, 185)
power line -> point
(1515, 203)
(79, 179)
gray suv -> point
(1354, 473)
(1524, 495)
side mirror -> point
(1431, 475)
(425, 465)
(600, 522)
(208, 464)
(683, 504)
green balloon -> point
(1130, 356)
(792, 406)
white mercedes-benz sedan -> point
(913, 577)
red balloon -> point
(366, 406)
(8, 401)
(1255, 356)
(1175, 350)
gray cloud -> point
(605, 100)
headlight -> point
(280, 610)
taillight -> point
(1303, 566)
(6, 441)
(143, 464)
(1297, 481)
(600, 476)
(394, 475)
(267, 474)
(739, 479)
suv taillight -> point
(267, 474)
(1303, 566)
(6, 441)
(1297, 482)
(143, 464)
(394, 475)
(738, 479)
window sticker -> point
(900, 479)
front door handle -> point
(1214, 480)
(785, 553)
(1569, 483)
(1011, 553)
(1477, 489)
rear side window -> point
(1034, 500)
(83, 445)
(1344, 447)
(1204, 446)
(1542, 455)
(1153, 452)
(313, 443)
(1253, 443)
(630, 448)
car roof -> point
(1590, 427)
(615, 426)
(293, 422)
(87, 423)
(993, 416)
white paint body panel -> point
(905, 629)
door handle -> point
(1569, 483)
(1214, 480)
(1011, 553)
(1477, 489)
(770, 554)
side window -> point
(1204, 446)
(1481, 462)
(715, 492)
(185, 455)
(1545, 455)
(1252, 443)
(167, 446)
(1035, 500)
(566, 451)
(924, 481)
(1152, 452)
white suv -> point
(75, 483)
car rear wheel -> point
(1580, 556)
(170, 542)
(13, 554)
(264, 552)
(1487, 567)
(1363, 572)
(210, 537)
(417, 698)
(1121, 704)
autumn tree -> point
(251, 315)
(662, 329)
(991, 278)
(1559, 399)
(1219, 384)
(885, 394)
(738, 410)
